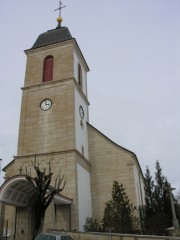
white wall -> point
(84, 74)
(139, 183)
(84, 196)
(81, 133)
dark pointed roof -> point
(59, 34)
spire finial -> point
(59, 19)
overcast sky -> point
(132, 48)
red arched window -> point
(48, 69)
(79, 75)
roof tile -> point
(52, 36)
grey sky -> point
(133, 50)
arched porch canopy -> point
(17, 191)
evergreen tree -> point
(118, 213)
(166, 201)
(159, 188)
(158, 211)
(149, 190)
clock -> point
(46, 104)
(81, 112)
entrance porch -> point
(17, 200)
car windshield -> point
(45, 237)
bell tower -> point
(54, 103)
(53, 120)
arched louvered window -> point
(79, 75)
(48, 69)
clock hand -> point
(47, 104)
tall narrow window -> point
(48, 69)
(82, 150)
(79, 75)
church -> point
(54, 127)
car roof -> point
(53, 234)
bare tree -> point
(45, 195)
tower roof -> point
(59, 34)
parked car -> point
(46, 236)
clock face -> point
(46, 104)
(81, 112)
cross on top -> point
(60, 7)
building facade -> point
(54, 128)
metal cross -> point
(60, 7)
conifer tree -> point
(118, 213)
(149, 190)
(159, 188)
(158, 211)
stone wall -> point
(110, 162)
(113, 236)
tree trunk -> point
(39, 219)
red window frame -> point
(48, 69)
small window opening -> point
(79, 75)
(48, 69)
(83, 150)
